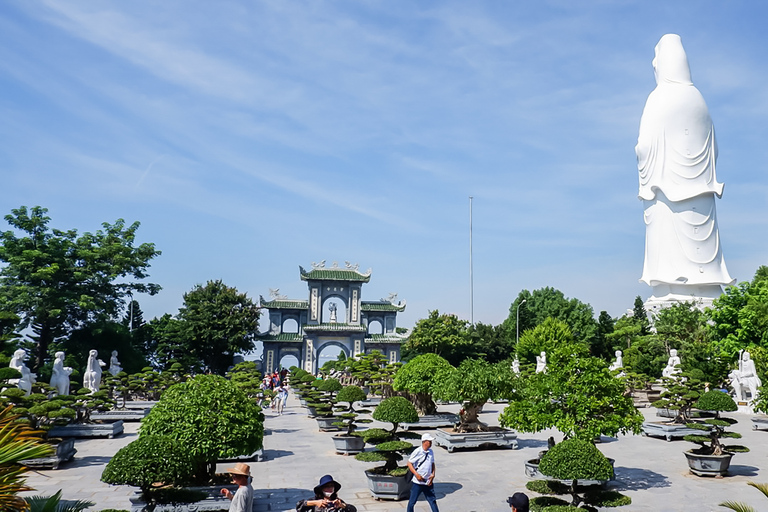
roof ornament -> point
(391, 298)
(335, 264)
(274, 294)
(316, 266)
(350, 266)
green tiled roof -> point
(284, 304)
(386, 338)
(335, 327)
(286, 336)
(334, 274)
(381, 306)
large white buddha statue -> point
(676, 155)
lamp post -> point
(517, 323)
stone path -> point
(653, 472)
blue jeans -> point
(429, 494)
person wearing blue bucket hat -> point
(326, 498)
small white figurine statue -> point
(61, 373)
(745, 378)
(541, 363)
(92, 377)
(114, 364)
(27, 377)
(332, 309)
(516, 366)
(673, 365)
(618, 363)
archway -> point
(290, 325)
(330, 351)
(289, 359)
(375, 327)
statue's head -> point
(114, 353)
(670, 65)
(673, 353)
(618, 353)
(745, 356)
(543, 354)
(93, 353)
(60, 355)
(20, 354)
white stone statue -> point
(332, 309)
(541, 363)
(516, 366)
(618, 364)
(61, 373)
(676, 154)
(114, 364)
(92, 376)
(745, 378)
(673, 365)
(27, 377)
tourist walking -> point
(422, 464)
(242, 500)
(280, 399)
(518, 502)
(326, 498)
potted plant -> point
(324, 411)
(211, 418)
(679, 396)
(417, 380)
(389, 481)
(712, 458)
(350, 442)
(570, 464)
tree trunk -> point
(424, 404)
(469, 421)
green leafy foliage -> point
(395, 410)
(575, 459)
(545, 337)
(680, 395)
(715, 401)
(389, 448)
(578, 396)
(549, 503)
(56, 281)
(743, 507)
(329, 385)
(418, 377)
(445, 335)
(56, 504)
(210, 417)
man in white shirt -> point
(422, 464)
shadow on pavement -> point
(638, 479)
(288, 497)
(276, 454)
(283, 430)
(443, 489)
(90, 460)
(739, 470)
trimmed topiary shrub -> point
(710, 444)
(210, 418)
(396, 410)
(541, 503)
(389, 449)
(350, 395)
(417, 377)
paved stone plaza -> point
(652, 471)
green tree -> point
(578, 396)
(171, 343)
(445, 335)
(58, 281)
(641, 316)
(489, 342)
(418, 377)
(551, 303)
(218, 322)
(104, 336)
(545, 337)
(603, 345)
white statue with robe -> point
(61, 373)
(114, 364)
(617, 364)
(676, 155)
(332, 308)
(541, 363)
(673, 365)
(92, 376)
(27, 377)
(516, 366)
(745, 378)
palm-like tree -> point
(743, 507)
(17, 442)
(54, 504)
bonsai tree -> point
(86, 402)
(247, 379)
(418, 378)
(211, 418)
(718, 402)
(37, 410)
(151, 460)
(473, 383)
(576, 459)
(680, 395)
(579, 396)
(368, 370)
(389, 448)
(350, 395)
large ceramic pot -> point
(348, 445)
(326, 423)
(708, 465)
(385, 487)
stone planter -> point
(326, 423)
(667, 413)
(760, 423)
(496, 437)
(108, 430)
(708, 465)
(385, 487)
(214, 501)
(532, 471)
(65, 451)
(140, 404)
(311, 412)
(432, 421)
(121, 415)
(348, 445)
(669, 431)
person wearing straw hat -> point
(422, 464)
(326, 498)
(242, 500)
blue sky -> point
(249, 138)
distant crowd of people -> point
(275, 382)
